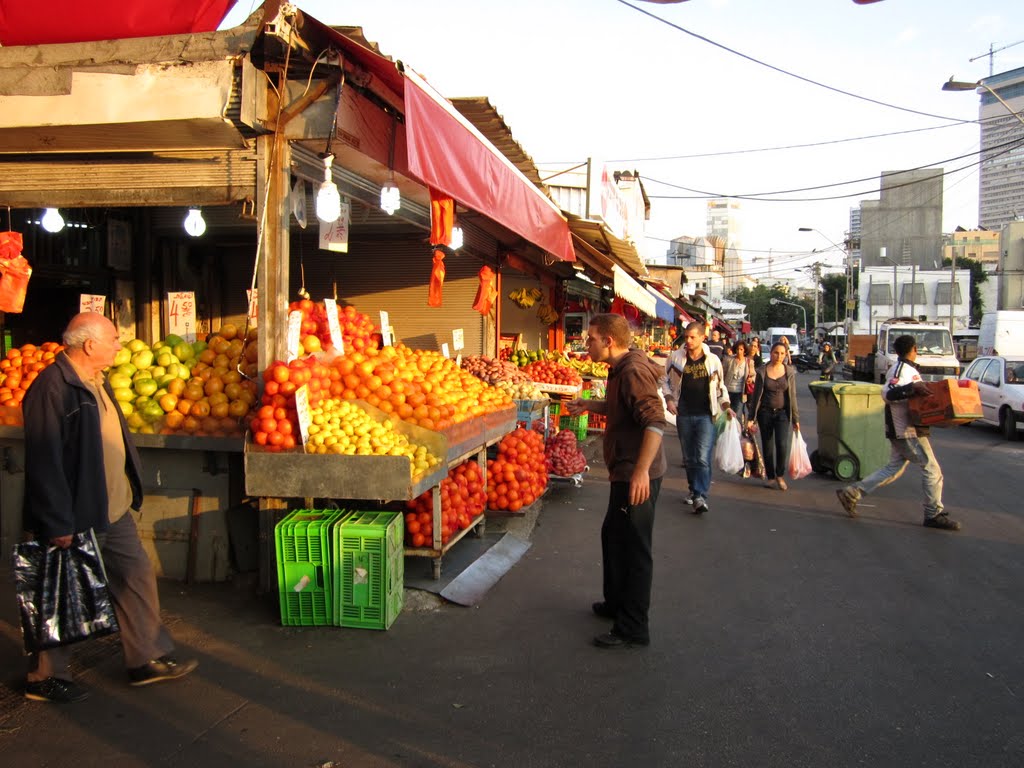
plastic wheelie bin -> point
(851, 429)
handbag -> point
(62, 594)
(750, 386)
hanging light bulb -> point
(457, 238)
(52, 221)
(328, 201)
(195, 224)
(390, 197)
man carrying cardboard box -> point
(910, 444)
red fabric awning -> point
(80, 21)
(448, 153)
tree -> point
(978, 276)
(833, 297)
(765, 315)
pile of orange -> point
(419, 387)
(517, 477)
(20, 368)
(462, 501)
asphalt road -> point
(784, 634)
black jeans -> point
(776, 439)
(628, 565)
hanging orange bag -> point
(14, 273)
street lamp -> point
(845, 248)
(773, 301)
(959, 85)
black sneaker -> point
(56, 690)
(164, 668)
(700, 505)
(611, 640)
(942, 522)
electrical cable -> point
(786, 72)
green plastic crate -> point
(369, 572)
(577, 424)
(304, 574)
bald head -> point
(85, 326)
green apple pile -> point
(141, 374)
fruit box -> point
(949, 402)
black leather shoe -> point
(603, 610)
(56, 690)
(611, 640)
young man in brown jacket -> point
(636, 463)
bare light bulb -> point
(390, 197)
(328, 201)
(52, 221)
(457, 238)
(195, 224)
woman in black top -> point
(774, 412)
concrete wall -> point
(1011, 266)
(906, 221)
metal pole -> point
(913, 288)
(952, 285)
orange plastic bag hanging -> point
(14, 273)
(485, 293)
(442, 219)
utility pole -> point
(952, 286)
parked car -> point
(1001, 386)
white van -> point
(1002, 333)
(775, 335)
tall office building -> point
(854, 234)
(724, 220)
(1001, 188)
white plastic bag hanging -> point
(799, 461)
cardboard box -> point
(949, 402)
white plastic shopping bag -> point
(799, 461)
(728, 449)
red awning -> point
(724, 327)
(448, 153)
(80, 21)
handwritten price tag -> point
(444, 350)
(89, 302)
(335, 327)
(294, 330)
(302, 411)
(458, 340)
(181, 314)
(385, 328)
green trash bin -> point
(851, 429)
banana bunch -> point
(590, 368)
(526, 298)
(546, 313)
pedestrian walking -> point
(636, 463)
(695, 394)
(716, 345)
(738, 370)
(910, 444)
(82, 471)
(775, 414)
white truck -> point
(936, 356)
(1002, 333)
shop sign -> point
(89, 302)
(181, 314)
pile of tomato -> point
(551, 372)
(517, 477)
(275, 423)
(357, 329)
(462, 501)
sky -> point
(598, 78)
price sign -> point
(385, 328)
(294, 330)
(335, 327)
(458, 341)
(334, 237)
(253, 295)
(444, 350)
(89, 302)
(181, 314)
(302, 411)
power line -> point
(786, 72)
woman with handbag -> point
(738, 371)
(774, 412)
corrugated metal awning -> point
(598, 237)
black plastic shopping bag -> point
(62, 593)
